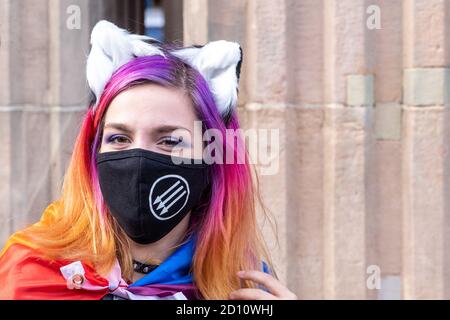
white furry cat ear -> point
(111, 48)
(219, 62)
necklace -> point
(143, 268)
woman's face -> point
(150, 117)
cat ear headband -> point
(219, 62)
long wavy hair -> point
(228, 235)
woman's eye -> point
(118, 139)
(171, 141)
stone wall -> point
(43, 95)
(364, 121)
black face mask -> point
(147, 192)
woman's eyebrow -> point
(159, 130)
(169, 128)
(119, 126)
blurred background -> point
(359, 89)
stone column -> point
(304, 147)
(348, 147)
(173, 11)
(387, 178)
(425, 150)
(25, 99)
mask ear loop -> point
(199, 211)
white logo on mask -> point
(168, 196)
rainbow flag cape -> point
(26, 275)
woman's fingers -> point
(275, 287)
(251, 294)
(272, 284)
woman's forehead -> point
(151, 105)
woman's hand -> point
(277, 290)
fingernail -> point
(241, 273)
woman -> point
(143, 214)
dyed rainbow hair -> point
(228, 237)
